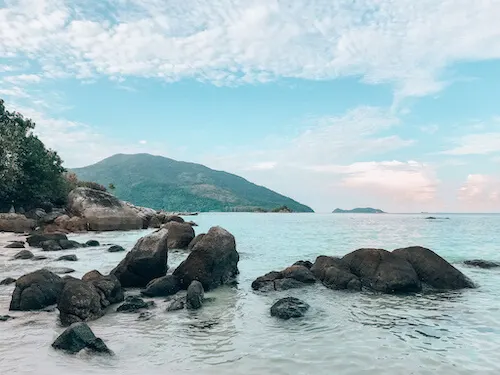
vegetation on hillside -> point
(163, 183)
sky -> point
(346, 103)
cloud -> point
(476, 144)
(143, 142)
(23, 78)
(228, 42)
(429, 129)
(266, 165)
(481, 192)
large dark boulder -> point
(79, 302)
(102, 211)
(179, 235)
(432, 269)
(295, 276)
(335, 274)
(109, 288)
(266, 282)
(77, 337)
(481, 263)
(299, 273)
(92, 243)
(289, 307)
(36, 290)
(24, 254)
(162, 287)
(36, 240)
(195, 240)
(145, 262)
(194, 296)
(69, 244)
(213, 261)
(115, 249)
(51, 245)
(69, 258)
(173, 218)
(133, 304)
(16, 223)
(383, 271)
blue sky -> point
(337, 104)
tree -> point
(30, 174)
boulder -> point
(192, 223)
(69, 244)
(195, 240)
(50, 218)
(295, 276)
(304, 263)
(194, 296)
(299, 273)
(92, 275)
(213, 261)
(77, 337)
(481, 263)
(266, 282)
(8, 281)
(145, 262)
(39, 257)
(15, 245)
(79, 302)
(434, 270)
(115, 249)
(335, 274)
(102, 211)
(289, 307)
(175, 218)
(154, 222)
(16, 223)
(36, 290)
(69, 258)
(109, 288)
(24, 254)
(36, 214)
(179, 235)
(134, 304)
(284, 284)
(383, 271)
(92, 243)
(162, 286)
(36, 240)
(323, 262)
(51, 245)
(70, 224)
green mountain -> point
(162, 183)
(364, 210)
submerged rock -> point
(162, 287)
(51, 245)
(92, 243)
(15, 245)
(481, 263)
(133, 304)
(145, 262)
(36, 240)
(115, 249)
(36, 290)
(177, 304)
(69, 244)
(8, 281)
(77, 337)
(194, 296)
(434, 270)
(23, 254)
(69, 258)
(179, 235)
(39, 257)
(4, 318)
(295, 276)
(213, 261)
(289, 307)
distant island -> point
(166, 184)
(366, 210)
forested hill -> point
(163, 183)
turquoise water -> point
(343, 333)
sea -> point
(343, 333)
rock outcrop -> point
(195, 240)
(102, 211)
(213, 261)
(145, 262)
(295, 276)
(36, 290)
(36, 240)
(289, 307)
(194, 296)
(16, 223)
(482, 263)
(77, 337)
(180, 235)
(335, 274)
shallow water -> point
(343, 333)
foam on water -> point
(343, 333)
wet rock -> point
(49, 218)
(289, 307)
(102, 211)
(109, 289)
(154, 222)
(36, 240)
(195, 240)
(162, 286)
(77, 337)
(194, 296)
(24, 254)
(69, 258)
(335, 274)
(266, 282)
(299, 273)
(115, 249)
(8, 281)
(145, 262)
(51, 245)
(15, 245)
(434, 270)
(36, 290)
(16, 223)
(60, 270)
(92, 243)
(174, 218)
(133, 304)
(4, 318)
(482, 263)
(179, 235)
(192, 223)
(79, 302)
(177, 304)
(69, 244)
(39, 257)
(304, 263)
(285, 284)
(92, 275)
(295, 276)
(213, 260)
(383, 271)
(144, 316)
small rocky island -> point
(359, 210)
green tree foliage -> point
(30, 174)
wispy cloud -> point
(230, 42)
(476, 144)
(481, 192)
